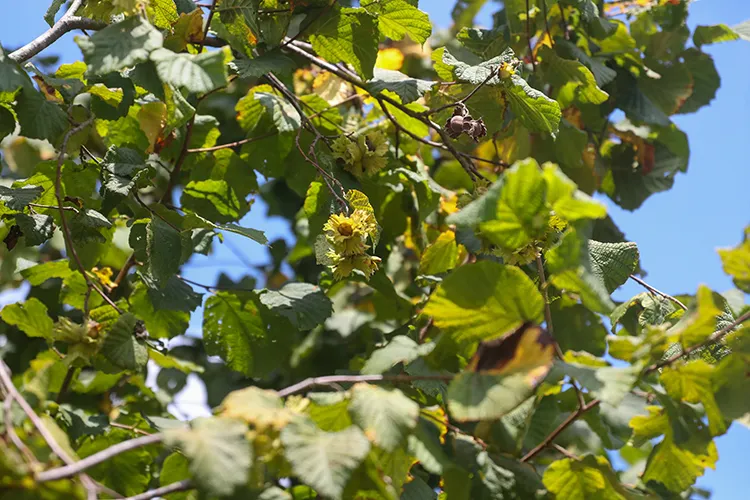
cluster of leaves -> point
(426, 257)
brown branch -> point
(131, 428)
(64, 222)
(68, 22)
(12, 392)
(564, 425)
(13, 435)
(97, 458)
(657, 292)
(715, 337)
(336, 379)
(232, 144)
(173, 177)
(66, 381)
(528, 37)
(183, 485)
(546, 21)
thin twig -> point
(564, 425)
(173, 177)
(10, 430)
(12, 392)
(183, 485)
(546, 21)
(131, 428)
(715, 337)
(64, 221)
(66, 381)
(232, 144)
(335, 379)
(657, 292)
(68, 22)
(97, 458)
(528, 37)
(208, 288)
(564, 451)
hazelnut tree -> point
(437, 329)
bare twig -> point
(97, 458)
(64, 221)
(66, 381)
(12, 393)
(131, 428)
(564, 425)
(183, 485)
(657, 292)
(209, 288)
(528, 36)
(335, 379)
(13, 435)
(68, 22)
(715, 337)
(232, 144)
(564, 451)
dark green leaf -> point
(303, 304)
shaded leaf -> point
(303, 304)
(386, 416)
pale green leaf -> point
(589, 478)
(398, 18)
(324, 460)
(198, 73)
(440, 256)
(607, 383)
(535, 110)
(120, 45)
(407, 88)
(386, 415)
(218, 451)
(283, 114)
(30, 317)
(693, 383)
(303, 304)
(487, 396)
(401, 349)
(564, 73)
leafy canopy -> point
(436, 327)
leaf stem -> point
(528, 37)
(657, 292)
(336, 379)
(184, 485)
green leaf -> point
(706, 80)
(693, 383)
(258, 407)
(37, 228)
(398, 18)
(52, 10)
(613, 263)
(566, 200)
(736, 262)
(127, 473)
(699, 323)
(324, 460)
(160, 323)
(232, 328)
(535, 110)
(163, 245)
(705, 35)
(40, 118)
(12, 77)
(346, 35)
(521, 214)
(269, 62)
(38, 274)
(588, 478)
(484, 300)
(119, 45)
(578, 329)
(476, 74)
(200, 73)
(173, 295)
(303, 304)
(175, 468)
(407, 88)
(163, 13)
(386, 415)
(607, 383)
(30, 317)
(214, 200)
(571, 76)
(218, 451)
(121, 347)
(122, 168)
(440, 256)
(401, 349)
(503, 477)
(283, 114)
(19, 198)
(570, 268)
(668, 92)
(484, 43)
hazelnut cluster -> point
(462, 123)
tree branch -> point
(68, 22)
(183, 485)
(564, 425)
(97, 458)
(528, 37)
(11, 392)
(657, 292)
(64, 221)
(336, 379)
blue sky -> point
(677, 232)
